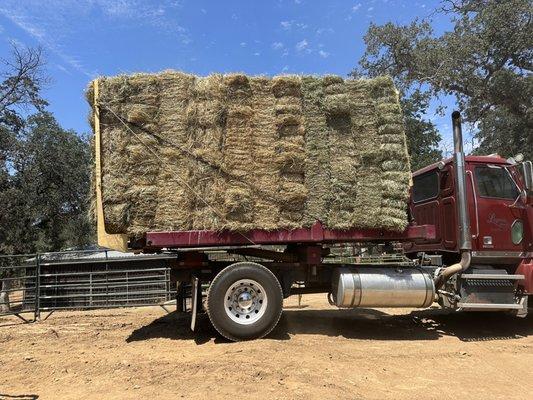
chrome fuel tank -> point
(382, 287)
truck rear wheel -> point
(244, 301)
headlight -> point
(517, 231)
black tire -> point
(217, 297)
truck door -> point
(495, 193)
(448, 212)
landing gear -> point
(245, 301)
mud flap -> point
(522, 313)
(196, 297)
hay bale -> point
(337, 103)
(264, 168)
(238, 152)
(286, 86)
(206, 115)
(317, 149)
(128, 207)
(290, 149)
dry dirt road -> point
(316, 352)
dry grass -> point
(239, 152)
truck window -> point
(492, 181)
(446, 181)
(425, 186)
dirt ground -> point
(316, 352)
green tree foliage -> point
(422, 136)
(20, 86)
(44, 169)
(53, 177)
(485, 62)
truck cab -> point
(500, 211)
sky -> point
(83, 39)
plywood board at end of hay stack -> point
(182, 152)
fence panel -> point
(47, 282)
(18, 285)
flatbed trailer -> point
(283, 262)
(317, 234)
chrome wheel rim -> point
(245, 301)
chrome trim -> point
(245, 301)
(527, 175)
(511, 176)
(517, 221)
(493, 276)
(500, 254)
(464, 241)
(489, 306)
(469, 173)
(463, 220)
(383, 287)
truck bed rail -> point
(316, 234)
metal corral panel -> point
(95, 282)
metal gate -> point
(76, 280)
(18, 283)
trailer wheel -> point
(244, 301)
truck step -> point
(493, 276)
(489, 306)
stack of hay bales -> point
(182, 152)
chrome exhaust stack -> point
(463, 219)
(465, 239)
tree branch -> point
(23, 79)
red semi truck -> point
(468, 246)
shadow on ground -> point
(474, 326)
(429, 324)
(177, 326)
(4, 396)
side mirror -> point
(527, 174)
